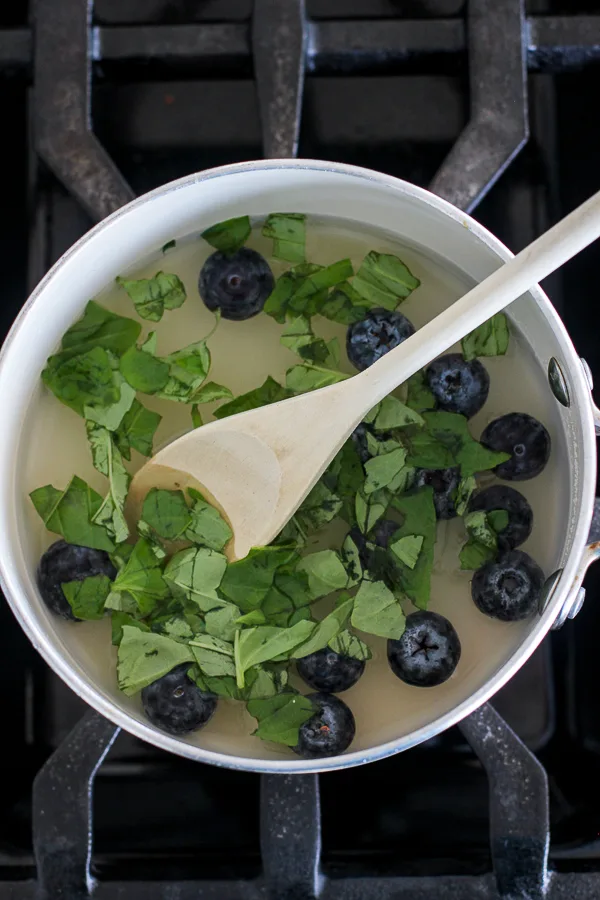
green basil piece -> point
(288, 231)
(230, 235)
(152, 296)
(280, 717)
(70, 513)
(144, 657)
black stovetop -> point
(435, 93)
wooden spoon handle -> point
(546, 254)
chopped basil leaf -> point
(479, 528)
(70, 513)
(302, 378)
(112, 416)
(248, 581)
(498, 519)
(482, 545)
(278, 302)
(315, 283)
(376, 611)
(84, 380)
(384, 280)
(319, 507)
(99, 327)
(144, 372)
(344, 305)
(326, 630)
(221, 622)
(169, 245)
(120, 555)
(118, 620)
(137, 430)
(348, 644)
(288, 231)
(87, 597)
(369, 510)
(256, 617)
(144, 530)
(167, 513)
(385, 471)
(196, 417)
(351, 560)
(151, 296)
(465, 489)
(418, 395)
(230, 235)
(188, 370)
(473, 555)
(419, 519)
(451, 429)
(490, 339)
(269, 392)
(108, 461)
(207, 525)
(213, 656)
(210, 392)
(280, 717)
(394, 414)
(178, 629)
(426, 452)
(195, 574)
(266, 643)
(407, 549)
(299, 337)
(265, 681)
(325, 571)
(144, 657)
(141, 578)
(346, 474)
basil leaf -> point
(344, 305)
(315, 283)
(280, 717)
(230, 235)
(188, 370)
(269, 392)
(120, 555)
(384, 280)
(256, 617)
(248, 581)
(84, 380)
(482, 545)
(299, 337)
(302, 378)
(465, 489)
(278, 302)
(210, 392)
(142, 578)
(473, 554)
(418, 396)
(325, 571)
(347, 472)
(169, 245)
(319, 507)
(498, 519)
(167, 513)
(87, 597)
(263, 681)
(348, 644)
(426, 452)
(326, 630)
(394, 414)
(137, 430)
(177, 628)
(213, 656)
(143, 371)
(206, 526)
(407, 549)
(265, 643)
(196, 417)
(385, 471)
(451, 429)
(107, 460)
(369, 510)
(377, 611)
(224, 686)
(221, 622)
(351, 560)
(288, 231)
(118, 620)
(151, 296)
(277, 608)
(144, 657)
(99, 327)
(419, 519)
(490, 339)
(195, 574)
(112, 416)
(70, 513)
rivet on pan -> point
(558, 385)
(548, 590)
(588, 373)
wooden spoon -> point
(258, 466)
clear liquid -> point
(243, 354)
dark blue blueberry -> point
(458, 385)
(64, 562)
(177, 705)
(520, 514)
(525, 439)
(427, 653)
(330, 731)
(237, 284)
(375, 335)
(508, 589)
(444, 483)
(330, 672)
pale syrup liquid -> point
(243, 354)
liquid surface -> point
(243, 354)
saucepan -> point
(433, 228)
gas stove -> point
(491, 105)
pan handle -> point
(576, 595)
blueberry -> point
(458, 385)
(330, 731)
(525, 439)
(508, 589)
(329, 671)
(444, 483)
(64, 562)
(177, 705)
(375, 335)
(237, 284)
(520, 514)
(427, 653)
